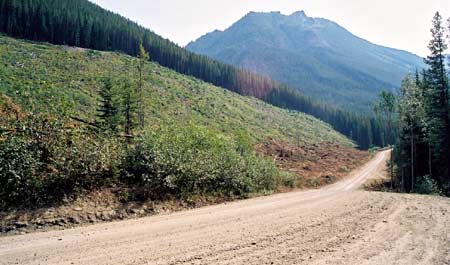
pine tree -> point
(128, 109)
(108, 110)
(143, 58)
(384, 109)
(411, 116)
(438, 104)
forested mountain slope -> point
(81, 23)
(315, 55)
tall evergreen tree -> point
(108, 109)
(411, 117)
(438, 103)
(384, 110)
(128, 109)
(143, 58)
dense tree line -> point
(84, 24)
(422, 155)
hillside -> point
(198, 140)
(77, 23)
(62, 79)
(314, 55)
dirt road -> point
(338, 224)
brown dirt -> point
(338, 224)
(315, 165)
(9, 111)
(91, 208)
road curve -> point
(338, 224)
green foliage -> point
(108, 111)
(143, 58)
(19, 171)
(313, 182)
(45, 159)
(423, 147)
(32, 72)
(129, 107)
(437, 99)
(51, 83)
(427, 185)
(384, 109)
(183, 160)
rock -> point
(58, 221)
(107, 215)
(19, 224)
(78, 209)
(92, 218)
(74, 220)
(38, 222)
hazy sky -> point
(403, 24)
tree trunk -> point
(412, 158)
(429, 158)
(403, 179)
(141, 105)
(391, 167)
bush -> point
(427, 185)
(19, 172)
(45, 159)
(193, 159)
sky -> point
(402, 24)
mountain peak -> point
(255, 13)
(300, 13)
(315, 55)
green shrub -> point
(288, 179)
(47, 158)
(19, 171)
(193, 159)
(427, 185)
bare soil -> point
(315, 165)
(338, 224)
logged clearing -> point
(316, 164)
(338, 224)
(45, 78)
